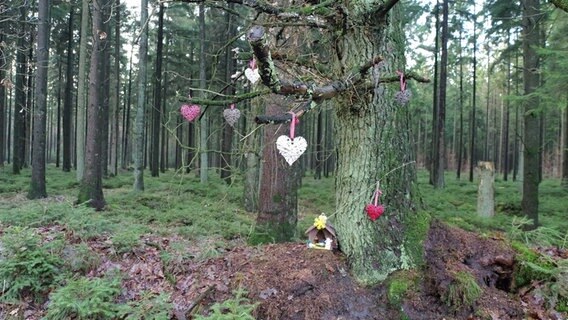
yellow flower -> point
(320, 221)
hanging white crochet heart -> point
(290, 149)
(231, 116)
(252, 75)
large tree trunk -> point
(531, 40)
(91, 187)
(278, 197)
(81, 98)
(37, 184)
(68, 104)
(432, 165)
(115, 149)
(140, 108)
(374, 145)
(104, 93)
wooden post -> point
(486, 189)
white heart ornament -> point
(231, 116)
(252, 75)
(290, 149)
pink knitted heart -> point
(190, 112)
(374, 211)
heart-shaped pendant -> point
(231, 116)
(290, 149)
(374, 211)
(252, 75)
(190, 112)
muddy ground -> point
(290, 281)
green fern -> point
(238, 307)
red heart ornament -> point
(374, 211)
(190, 112)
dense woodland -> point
(380, 90)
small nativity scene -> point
(321, 235)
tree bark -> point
(3, 106)
(115, 149)
(252, 159)
(565, 148)
(472, 122)
(91, 187)
(204, 122)
(374, 145)
(531, 40)
(81, 97)
(140, 109)
(432, 165)
(278, 198)
(19, 113)
(157, 109)
(439, 162)
(68, 104)
(37, 184)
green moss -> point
(272, 233)
(399, 284)
(463, 291)
(417, 227)
(530, 265)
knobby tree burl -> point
(363, 43)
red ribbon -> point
(402, 81)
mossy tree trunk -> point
(373, 144)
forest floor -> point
(483, 273)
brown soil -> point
(290, 281)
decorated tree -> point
(359, 62)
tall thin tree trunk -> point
(67, 107)
(486, 156)
(19, 113)
(104, 93)
(506, 121)
(227, 143)
(3, 107)
(91, 187)
(81, 96)
(37, 184)
(115, 150)
(440, 157)
(432, 164)
(157, 109)
(126, 119)
(531, 40)
(204, 122)
(140, 109)
(565, 148)
(472, 128)
(460, 142)
(58, 128)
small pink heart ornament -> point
(252, 75)
(231, 115)
(190, 112)
(290, 149)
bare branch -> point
(384, 9)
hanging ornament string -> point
(403, 96)
(378, 193)
(402, 80)
(293, 125)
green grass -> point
(456, 204)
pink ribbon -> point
(402, 81)
(378, 192)
(252, 63)
(232, 106)
(293, 125)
